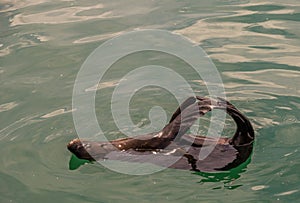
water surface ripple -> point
(254, 44)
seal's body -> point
(173, 147)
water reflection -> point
(57, 16)
(8, 131)
(8, 106)
(23, 40)
(282, 82)
(257, 25)
(74, 13)
(97, 38)
(16, 5)
(228, 178)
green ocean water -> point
(255, 46)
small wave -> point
(57, 112)
(8, 106)
(102, 86)
(283, 82)
(8, 130)
(96, 38)
(248, 27)
(286, 193)
(259, 187)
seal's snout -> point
(79, 149)
(74, 145)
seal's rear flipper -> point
(193, 108)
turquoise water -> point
(254, 44)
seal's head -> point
(79, 149)
(90, 150)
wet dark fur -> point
(172, 147)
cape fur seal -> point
(172, 147)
